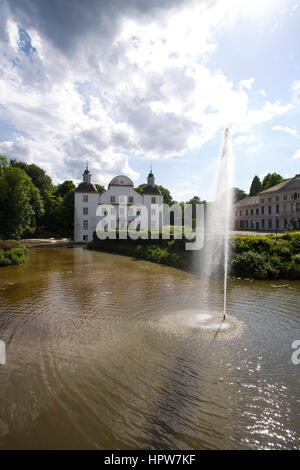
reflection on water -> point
(108, 352)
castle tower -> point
(87, 175)
(151, 179)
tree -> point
(271, 179)
(238, 194)
(64, 188)
(194, 201)
(167, 198)
(3, 161)
(20, 203)
(39, 177)
(101, 189)
(255, 187)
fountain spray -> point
(215, 254)
(226, 172)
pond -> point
(107, 352)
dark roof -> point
(150, 175)
(149, 189)
(86, 172)
(286, 185)
(252, 200)
(86, 188)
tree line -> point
(258, 185)
(32, 206)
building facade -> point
(120, 201)
(275, 209)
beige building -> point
(276, 208)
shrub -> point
(254, 265)
(12, 256)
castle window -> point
(262, 210)
(153, 211)
(153, 200)
(130, 199)
(85, 198)
(257, 211)
(85, 238)
(85, 210)
(112, 198)
(270, 209)
(85, 225)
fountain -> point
(215, 257)
(211, 262)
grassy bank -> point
(170, 252)
(12, 252)
(256, 257)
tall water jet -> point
(214, 258)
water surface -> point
(112, 353)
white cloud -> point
(246, 83)
(296, 154)
(243, 139)
(141, 87)
(295, 88)
(286, 129)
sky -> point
(124, 85)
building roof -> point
(86, 188)
(150, 189)
(288, 184)
(121, 180)
(247, 201)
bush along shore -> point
(12, 252)
(254, 257)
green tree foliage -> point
(238, 194)
(255, 187)
(194, 201)
(20, 203)
(39, 177)
(65, 188)
(271, 179)
(167, 198)
(3, 162)
(101, 189)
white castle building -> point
(121, 200)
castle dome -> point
(121, 180)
